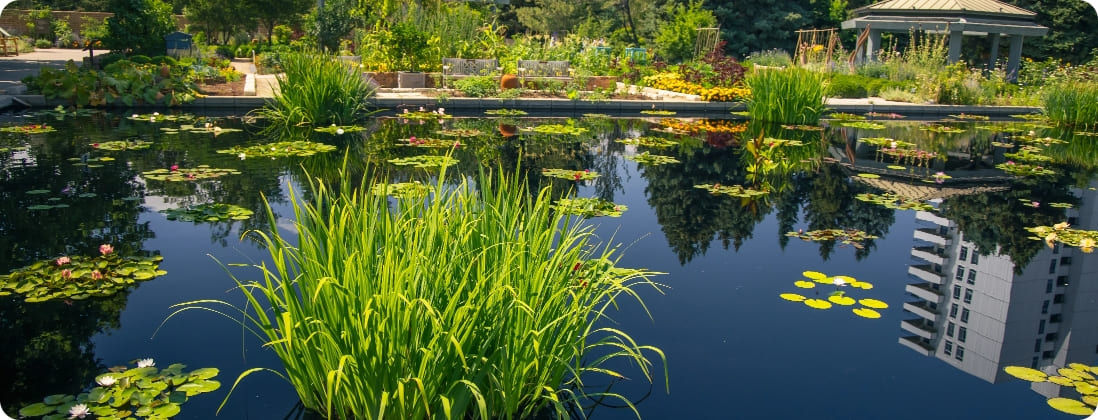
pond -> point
(950, 286)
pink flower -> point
(96, 275)
(106, 249)
(63, 260)
(457, 145)
(175, 168)
(66, 274)
(441, 111)
(405, 110)
(96, 145)
(1010, 162)
(1036, 204)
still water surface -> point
(735, 348)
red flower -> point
(96, 145)
(577, 266)
(175, 168)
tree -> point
(676, 39)
(271, 13)
(139, 26)
(1070, 30)
(761, 24)
(218, 19)
(331, 22)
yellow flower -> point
(1050, 239)
(1061, 226)
(1087, 245)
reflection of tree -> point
(690, 217)
(996, 221)
(48, 348)
(831, 205)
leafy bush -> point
(787, 96)
(43, 43)
(676, 39)
(470, 303)
(138, 26)
(856, 86)
(477, 86)
(122, 81)
(899, 94)
(770, 58)
(316, 90)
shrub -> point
(315, 90)
(466, 304)
(676, 38)
(770, 58)
(43, 43)
(477, 86)
(1072, 103)
(787, 96)
(899, 94)
(138, 26)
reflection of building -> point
(978, 314)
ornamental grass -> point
(1072, 103)
(786, 96)
(473, 302)
(317, 90)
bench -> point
(456, 68)
(535, 68)
(8, 44)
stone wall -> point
(15, 21)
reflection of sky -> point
(735, 349)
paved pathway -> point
(14, 68)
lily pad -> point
(1074, 374)
(792, 297)
(461, 132)
(804, 284)
(1026, 374)
(568, 129)
(158, 117)
(648, 141)
(971, 117)
(1091, 400)
(1062, 381)
(935, 128)
(894, 201)
(28, 129)
(425, 161)
(339, 129)
(872, 303)
(843, 116)
(863, 125)
(817, 303)
(1086, 388)
(429, 142)
(1070, 406)
(869, 176)
(650, 159)
(505, 112)
(424, 114)
(402, 189)
(814, 275)
(852, 237)
(122, 145)
(897, 167)
(78, 277)
(841, 300)
(299, 148)
(866, 313)
(589, 207)
(658, 112)
(214, 212)
(188, 174)
(570, 174)
(732, 190)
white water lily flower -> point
(339, 131)
(79, 411)
(156, 113)
(241, 156)
(136, 116)
(106, 381)
(838, 282)
(145, 363)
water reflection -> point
(986, 296)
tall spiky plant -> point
(468, 303)
(788, 96)
(317, 89)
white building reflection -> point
(976, 313)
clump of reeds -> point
(787, 96)
(317, 89)
(469, 303)
(1072, 103)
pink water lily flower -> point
(66, 274)
(79, 411)
(96, 275)
(63, 260)
(106, 249)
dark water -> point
(735, 349)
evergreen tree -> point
(759, 25)
(139, 26)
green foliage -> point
(1072, 103)
(122, 82)
(1071, 34)
(676, 39)
(79, 277)
(589, 207)
(201, 172)
(925, 54)
(457, 284)
(401, 47)
(298, 148)
(856, 86)
(317, 90)
(770, 58)
(139, 26)
(143, 392)
(766, 24)
(788, 96)
(477, 86)
(213, 212)
(330, 23)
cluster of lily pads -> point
(28, 129)
(1085, 240)
(938, 128)
(647, 141)
(570, 174)
(650, 159)
(122, 145)
(863, 125)
(658, 112)
(158, 117)
(9, 145)
(54, 202)
(1024, 169)
(141, 392)
(204, 128)
(868, 308)
(566, 129)
(1074, 375)
(297, 148)
(589, 207)
(429, 142)
(1028, 153)
(844, 116)
(90, 162)
(424, 114)
(853, 237)
(802, 127)
(889, 115)
(177, 174)
(425, 161)
(732, 190)
(60, 112)
(212, 212)
(79, 277)
(339, 129)
(970, 117)
(460, 132)
(894, 201)
(402, 189)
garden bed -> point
(222, 88)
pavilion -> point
(989, 18)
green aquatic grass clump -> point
(787, 96)
(466, 303)
(317, 90)
(1074, 103)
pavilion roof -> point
(990, 8)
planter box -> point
(411, 80)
